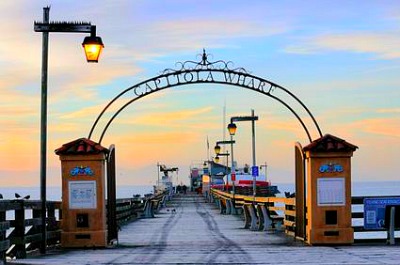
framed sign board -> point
(331, 192)
(375, 211)
(82, 194)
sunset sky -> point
(341, 58)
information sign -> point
(233, 176)
(331, 192)
(254, 171)
(82, 194)
(374, 211)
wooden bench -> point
(222, 205)
(148, 211)
(250, 216)
(268, 219)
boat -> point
(216, 177)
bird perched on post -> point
(27, 197)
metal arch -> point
(191, 67)
(149, 93)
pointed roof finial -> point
(204, 57)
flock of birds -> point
(17, 196)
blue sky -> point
(341, 58)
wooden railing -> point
(287, 206)
(274, 204)
(359, 215)
(20, 226)
(20, 223)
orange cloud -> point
(384, 44)
(165, 118)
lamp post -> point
(232, 130)
(92, 46)
(217, 150)
(226, 169)
(251, 118)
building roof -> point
(81, 146)
(330, 143)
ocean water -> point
(54, 193)
(374, 188)
(377, 188)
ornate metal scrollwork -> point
(204, 64)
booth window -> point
(82, 220)
(331, 217)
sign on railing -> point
(374, 211)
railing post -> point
(2, 236)
(390, 231)
(36, 228)
(19, 230)
(51, 221)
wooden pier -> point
(191, 231)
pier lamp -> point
(92, 46)
(232, 128)
(216, 159)
(217, 149)
(226, 168)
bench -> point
(268, 220)
(250, 216)
(148, 211)
(222, 205)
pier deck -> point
(195, 233)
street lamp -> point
(217, 149)
(232, 130)
(92, 46)
(226, 168)
(232, 127)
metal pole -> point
(43, 129)
(233, 182)
(226, 172)
(390, 230)
(158, 174)
(254, 150)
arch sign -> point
(205, 72)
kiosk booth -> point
(83, 194)
(328, 183)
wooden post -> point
(4, 244)
(19, 230)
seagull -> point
(17, 196)
(1, 196)
(27, 197)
